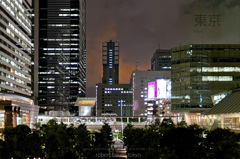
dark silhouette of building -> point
(161, 60)
(60, 53)
(110, 61)
(114, 99)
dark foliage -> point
(168, 141)
(53, 141)
(159, 140)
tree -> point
(1, 148)
(17, 143)
(182, 124)
(102, 141)
(127, 132)
(182, 142)
(167, 124)
(83, 142)
(222, 143)
(134, 140)
(35, 139)
(58, 140)
(152, 139)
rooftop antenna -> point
(159, 46)
(136, 65)
(100, 79)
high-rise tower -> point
(110, 60)
(16, 104)
(15, 47)
(60, 52)
(161, 60)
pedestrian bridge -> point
(96, 123)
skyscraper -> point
(16, 105)
(60, 52)
(16, 45)
(161, 60)
(110, 60)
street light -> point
(121, 115)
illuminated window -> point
(217, 78)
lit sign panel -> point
(161, 88)
(218, 97)
(169, 89)
(164, 88)
(152, 89)
(85, 102)
(84, 111)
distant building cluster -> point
(43, 71)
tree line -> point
(163, 140)
(166, 140)
(54, 141)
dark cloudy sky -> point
(141, 26)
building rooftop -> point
(230, 104)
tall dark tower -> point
(60, 52)
(161, 60)
(110, 60)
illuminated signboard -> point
(152, 89)
(163, 88)
(83, 101)
(218, 97)
(169, 89)
(84, 111)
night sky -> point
(142, 26)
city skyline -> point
(142, 27)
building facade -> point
(60, 53)
(161, 60)
(110, 61)
(16, 46)
(200, 71)
(86, 106)
(139, 82)
(114, 99)
(159, 98)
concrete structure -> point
(225, 114)
(96, 123)
(15, 48)
(161, 60)
(16, 106)
(200, 71)
(158, 108)
(115, 98)
(110, 61)
(60, 53)
(86, 106)
(139, 82)
(15, 110)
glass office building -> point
(16, 104)
(60, 53)
(15, 45)
(200, 71)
